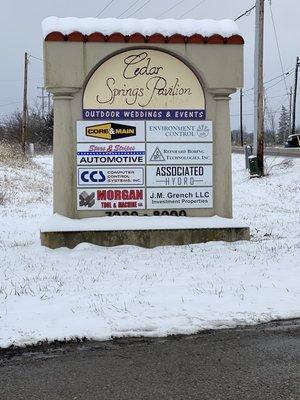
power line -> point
(18, 81)
(276, 97)
(270, 80)
(104, 8)
(171, 8)
(10, 104)
(278, 48)
(250, 100)
(268, 114)
(250, 96)
(37, 58)
(280, 104)
(281, 80)
(279, 76)
(246, 13)
(191, 9)
(237, 115)
(129, 8)
(142, 6)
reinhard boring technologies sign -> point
(144, 146)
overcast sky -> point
(20, 30)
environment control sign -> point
(192, 131)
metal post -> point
(241, 118)
(43, 99)
(25, 106)
(258, 86)
(295, 96)
(290, 111)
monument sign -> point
(144, 109)
(141, 126)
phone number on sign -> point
(181, 213)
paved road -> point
(252, 363)
(273, 151)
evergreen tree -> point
(283, 125)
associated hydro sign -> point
(144, 146)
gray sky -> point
(20, 30)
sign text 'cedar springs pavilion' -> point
(141, 128)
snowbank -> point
(167, 27)
(58, 223)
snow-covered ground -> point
(99, 292)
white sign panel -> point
(110, 176)
(179, 153)
(110, 131)
(179, 198)
(179, 131)
(139, 165)
(110, 154)
(110, 199)
(179, 175)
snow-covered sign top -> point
(141, 30)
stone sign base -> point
(146, 232)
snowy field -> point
(99, 293)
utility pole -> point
(295, 95)
(25, 106)
(290, 110)
(258, 145)
(43, 97)
(241, 118)
(44, 103)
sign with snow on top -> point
(141, 115)
(154, 102)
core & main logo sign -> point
(103, 131)
(110, 131)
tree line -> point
(275, 134)
(40, 127)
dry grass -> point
(11, 156)
(21, 177)
(271, 163)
